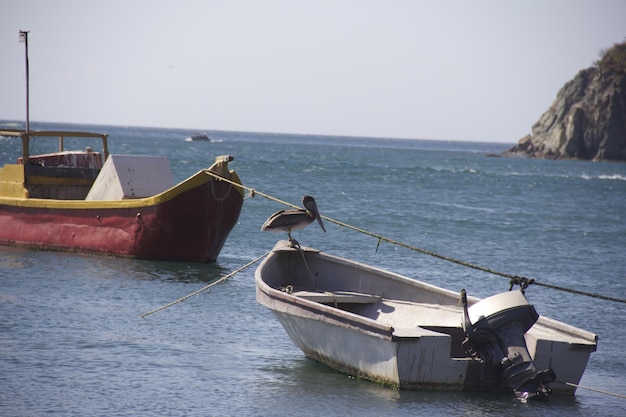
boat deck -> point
(397, 313)
(411, 319)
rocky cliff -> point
(588, 118)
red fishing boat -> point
(121, 205)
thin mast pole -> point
(24, 38)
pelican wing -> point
(294, 219)
(287, 220)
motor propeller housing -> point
(494, 333)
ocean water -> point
(72, 344)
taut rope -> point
(514, 279)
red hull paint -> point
(192, 226)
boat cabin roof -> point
(27, 135)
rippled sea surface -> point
(72, 344)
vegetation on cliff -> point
(613, 59)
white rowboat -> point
(408, 334)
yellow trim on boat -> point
(12, 181)
(196, 180)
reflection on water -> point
(169, 271)
(109, 267)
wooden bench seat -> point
(337, 297)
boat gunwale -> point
(345, 317)
(327, 312)
(587, 340)
(198, 179)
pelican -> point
(295, 219)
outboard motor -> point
(494, 330)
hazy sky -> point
(455, 70)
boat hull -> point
(408, 363)
(407, 336)
(189, 222)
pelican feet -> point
(293, 243)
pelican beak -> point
(319, 220)
(316, 213)
(311, 205)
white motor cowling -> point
(494, 333)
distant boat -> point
(408, 334)
(124, 205)
(199, 137)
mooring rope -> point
(514, 279)
(571, 384)
(206, 287)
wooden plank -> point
(337, 297)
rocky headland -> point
(588, 117)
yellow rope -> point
(224, 278)
(514, 279)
